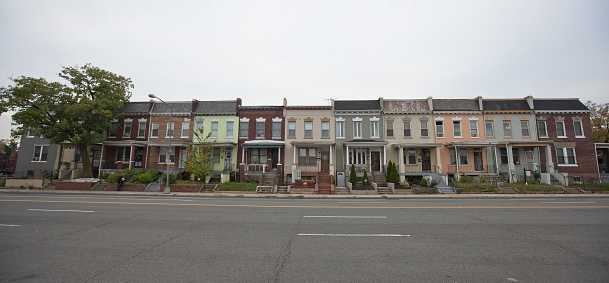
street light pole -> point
(167, 189)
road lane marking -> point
(330, 216)
(10, 225)
(104, 197)
(306, 206)
(59, 210)
(356, 235)
(569, 202)
(363, 202)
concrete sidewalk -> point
(305, 196)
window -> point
(198, 125)
(340, 130)
(440, 129)
(473, 128)
(123, 153)
(163, 155)
(40, 153)
(127, 129)
(357, 129)
(507, 128)
(244, 129)
(258, 156)
(457, 129)
(214, 129)
(325, 129)
(410, 156)
(407, 132)
(424, 128)
(141, 129)
(389, 129)
(307, 156)
(565, 156)
(155, 130)
(462, 157)
(504, 156)
(488, 127)
(560, 129)
(541, 129)
(524, 124)
(230, 125)
(169, 132)
(374, 129)
(579, 129)
(113, 129)
(308, 129)
(260, 129)
(30, 134)
(276, 130)
(291, 129)
(216, 155)
(515, 156)
(357, 156)
(77, 155)
(185, 126)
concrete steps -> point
(384, 191)
(341, 191)
(379, 179)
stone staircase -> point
(341, 191)
(573, 190)
(379, 179)
(324, 184)
(100, 186)
(384, 191)
(153, 187)
(267, 179)
(442, 187)
(282, 189)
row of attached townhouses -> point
(312, 148)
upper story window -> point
(198, 125)
(230, 126)
(424, 128)
(155, 130)
(308, 129)
(127, 129)
(439, 129)
(389, 129)
(325, 129)
(340, 129)
(244, 128)
(169, 132)
(407, 130)
(541, 129)
(40, 153)
(507, 129)
(292, 129)
(276, 129)
(374, 129)
(214, 129)
(489, 129)
(473, 128)
(260, 129)
(579, 129)
(185, 126)
(141, 129)
(457, 128)
(524, 125)
(560, 129)
(114, 128)
(357, 129)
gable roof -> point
(505, 104)
(369, 105)
(456, 105)
(228, 107)
(559, 104)
(405, 106)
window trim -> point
(545, 129)
(187, 123)
(492, 131)
(165, 153)
(357, 129)
(426, 128)
(308, 158)
(158, 125)
(510, 128)
(308, 129)
(230, 130)
(440, 134)
(581, 127)
(291, 129)
(374, 129)
(214, 133)
(244, 128)
(406, 156)
(409, 129)
(528, 128)
(564, 130)
(125, 154)
(565, 156)
(273, 132)
(40, 154)
(455, 124)
(471, 129)
(340, 129)
(127, 134)
(140, 129)
(325, 129)
(172, 125)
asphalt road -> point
(71, 238)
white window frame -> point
(291, 129)
(113, 125)
(154, 125)
(389, 129)
(163, 153)
(260, 131)
(473, 128)
(357, 129)
(440, 130)
(198, 124)
(214, 128)
(325, 129)
(357, 156)
(374, 128)
(408, 154)
(564, 131)
(276, 129)
(545, 128)
(185, 128)
(407, 129)
(308, 129)
(230, 129)
(123, 153)
(244, 129)
(340, 129)
(170, 127)
(564, 153)
(581, 127)
(41, 153)
(424, 127)
(525, 128)
(509, 128)
(127, 129)
(457, 129)
(141, 129)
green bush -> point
(146, 178)
(466, 179)
(353, 175)
(405, 184)
(423, 183)
(113, 178)
(393, 174)
(127, 172)
(365, 180)
(154, 174)
(139, 172)
(172, 178)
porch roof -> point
(470, 144)
(166, 143)
(367, 143)
(263, 143)
(304, 143)
(221, 144)
(602, 145)
(524, 144)
(399, 145)
(126, 142)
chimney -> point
(479, 98)
(430, 102)
(194, 105)
(238, 101)
(529, 100)
(285, 102)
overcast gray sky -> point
(308, 51)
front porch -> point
(367, 156)
(259, 159)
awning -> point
(263, 143)
(221, 144)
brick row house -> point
(312, 148)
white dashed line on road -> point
(9, 225)
(330, 216)
(60, 210)
(356, 235)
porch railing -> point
(452, 169)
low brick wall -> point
(183, 188)
(75, 186)
(302, 190)
(127, 187)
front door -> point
(529, 156)
(375, 159)
(425, 159)
(139, 155)
(95, 162)
(274, 158)
(478, 166)
(228, 159)
(325, 161)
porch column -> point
(511, 166)
(243, 155)
(346, 156)
(279, 155)
(147, 155)
(331, 154)
(457, 161)
(101, 159)
(496, 160)
(384, 157)
(130, 155)
(549, 162)
(294, 159)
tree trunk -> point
(86, 161)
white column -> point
(294, 160)
(508, 149)
(279, 155)
(101, 158)
(130, 155)
(243, 155)
(331, 154)
(346, 156)
(384, 157)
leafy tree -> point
(599, 119)
(353, 175)
(199, 160)
(78, 112)
(365, 180)
(392, 174)
(8, 147)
